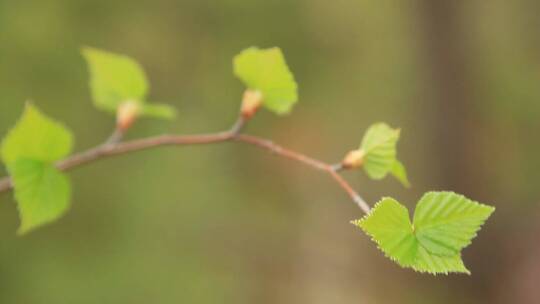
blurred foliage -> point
(229, 224)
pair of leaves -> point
(29, 151)
(444, 223)
(378, 148)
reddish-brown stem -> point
(115, 137)
(112, 148)
(314, 163)
(279, 150)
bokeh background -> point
(232, 224)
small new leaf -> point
(379, 149)
(444, 223)
(266, 71)
(36, 137)
(41, 191)
(116, 79)
(29, 151)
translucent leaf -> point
(444, 224)
(265, 70)
(400, 173)
(42, 192)
(390, 227)
(434, 264)
(116, 79)
(30, 150)
(379, 146)
(36, 137)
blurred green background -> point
(232, 224)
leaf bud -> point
(251, 102)
(354, 159)
(126, 114)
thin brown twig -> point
(118, 148)
(238, 125)
(115, 137)
(314, 163)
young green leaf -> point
(444, 223)
(430, 263)
(29, 152)
(379, 147)
(266, 71)
(42, 192)
(447, 222)
(377, 154)
(389, 225)
(116, 79)
(36, 137)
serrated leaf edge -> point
(360, 221)
(491, 209)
